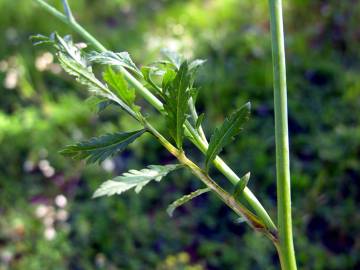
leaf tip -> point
(247, 107)
(247, 176)
(241, 185)
(95, 196)
(170, 211)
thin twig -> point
(67, 10)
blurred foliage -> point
(48, 220)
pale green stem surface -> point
(68, 10)
(286, 246)
(195, 116)
(198, 141)
(228, 199)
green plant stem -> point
(197, 140)
(233, 178)
(68, 10)
(286, 246)
(195, 117)
(228, 199)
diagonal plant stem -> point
(286, 246)
(198, 141)
(228, 199)
(195, 117)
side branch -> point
(67, 10)
(228, 199)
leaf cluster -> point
(176, 94)
(172, 80)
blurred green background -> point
(47, 217)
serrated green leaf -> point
(134, 179)
(120, 86)
(223, 135)
(168, 77)
(83, 75)
(67, 47)
(73, 62)
(176, 94)
(42, 40)
(174, 58)
(184, 199)
(194, 67)
(110, 58)
(196, 64)
(147, 73)
(99, 104)
(241, 184)
(97, 149)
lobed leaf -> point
(196, 64)
(120, 86)
(223, 135)
(184, 199)
(67, 46)
(73, 62)
(168, 77)
(134, 179)
(121, 59)
(174, 58)
(42, 40)
(177, 94)
(83, 75)
(97, 149)
(147, 73)
(194, 67)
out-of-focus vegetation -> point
(48, 219)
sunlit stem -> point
(286, 246)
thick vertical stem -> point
(286, 246)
